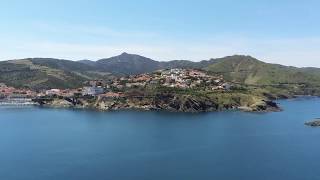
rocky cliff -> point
(162, 102)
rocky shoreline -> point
(161, 102)
(315, 123)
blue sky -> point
(283, 31)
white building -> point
(53, 92)
(93, 91)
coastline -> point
(243, 109)
(174, 104)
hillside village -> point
(177, 90)
(169, 78)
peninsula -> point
(131, 81)
(176, 90)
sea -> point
(66, 144)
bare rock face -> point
(105, 105)
(183, 103)
(265, 106)
(61, 103)
(162, 101)
(315, 123)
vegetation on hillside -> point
(37, 73)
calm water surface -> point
(45, 144)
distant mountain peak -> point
(127, 56)
(124, 53)
(126, 63)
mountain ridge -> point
(40, 73)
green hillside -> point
(248, 70)
(46, 73)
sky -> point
(276, 31)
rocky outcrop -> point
(183, 103)
(160, 102)
(59, 102)
(266, 106)
(261, 106)
(315, 123)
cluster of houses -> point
(174, 78)
(171, 78)
(7, 91)
(190, 78)
(61, 92)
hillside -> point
(43, 73)
(248, 70)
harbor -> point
(16, 101)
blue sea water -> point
(45, 144)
